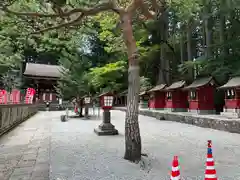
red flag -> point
(4, 97)
(1, 96)
(28, 93)
(15, 96)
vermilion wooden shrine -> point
(43, 78)
(121, 99)
(232, 97)
(176, 97)
(157, 97)
(201, 95)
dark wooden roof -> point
(106, 93)
(123, 93)
(143, 93)
(199, 82)
(42, 70)
(158, 88)
(176, 85)
(232, 83)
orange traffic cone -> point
(210, 172)
(175, 174)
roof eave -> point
(228, 87)
(40, 77)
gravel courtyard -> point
(44, 148)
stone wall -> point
(206, 121)
(13, 114)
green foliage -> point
(108, 77)
(73, 81)
(144, 84)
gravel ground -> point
(44, 148)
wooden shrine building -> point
(176, 97)
(232, 97)
(157, 97)
(43, 77)
(143, 101)
(201, 95)
(121, 99)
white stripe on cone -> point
(210, 167)
(175, 178)
(209, 159)
(175, 168)
(210, 176)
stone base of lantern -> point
(106, 128)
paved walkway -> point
(44, 148)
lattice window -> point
(230, 94)
(193, 95)
(169, 95)
(108, 100)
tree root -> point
(144, 154)
(144, 164)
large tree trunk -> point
(182, 48)
(163, 75)
(133, 145)
(189, 48)
(86, 111)
(208, 28)
(80, 106)
(222, 28)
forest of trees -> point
(102, 44)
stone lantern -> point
(106, 128)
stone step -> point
(231, 114)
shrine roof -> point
(176, 85)
(158, 88)
(123, 92)
(199, 83)
(143, 93)
(42, 70)
(232, 83)
(105, 93)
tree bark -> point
(208, 28)
(80, 105)
(189, 48)
(133, 145)
(81, 112)
(163, 75)
(222, 29)
(182, 46)
(86, 111)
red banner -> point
(3, 97)
(29, 95)
(15, 96)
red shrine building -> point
(232, 97)
(201, 95)
(176, 97)
(157, 97)
(43, 77)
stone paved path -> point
(43, 148)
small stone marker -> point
(63, 118)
